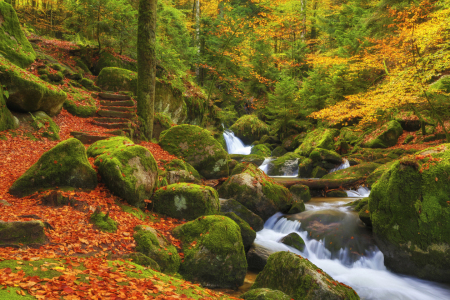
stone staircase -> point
(116, 112)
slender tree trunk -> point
(303, 12)
(146, 66)
(198, 43)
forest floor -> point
(79, 261)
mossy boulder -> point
(64, 166)
(318, 172)
(259, 193)
(257, 257)
(278, 151)
(249, 129)
(319, 154)
(161, 122)
(337, 194)
(214, 252)
(230, 205)
(319, 138)
(264, 294)
(143, 260)
(42, 123)
(247, 233)
(153, 244)
(386, 136)
(254, 159)
(284, 165)
(294, 240)
(103, 221)
(305, 167)
(29, 233)
(178, 170)
(14, 46)
(28, 93)
(198, 147)
(293, 142)
(410, 214)
(89, 85)
(186, 201)
(300, 192)
(350, 136)
(261, 150)
(364, 215)
(377, 173)
(107, 59)
(359, 171)
(117, 79)
(6, 118)
(300, 279)
(128, 170)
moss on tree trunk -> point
(146, 66)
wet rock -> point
(257, 257)
(247, 233)
(261, 150)
(294, 240)
(264, 294)
(319, 138)
(387, 136)
(300, 192)
(16, 234)
(278, 151)
(231, 205)
(249, 128)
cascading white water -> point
(361, 192)
(290, 168)
(367, 275)
(265, 165)
(345, 164)
(234, 144)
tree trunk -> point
(146, 66)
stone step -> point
(89, 137)
(110, 120)
(123, 125)
(117, 103)
(113, 97)
(118, 108)
(115, 114)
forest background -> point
(340, 63)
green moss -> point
(79, 104)
(386, 136)
(377, 173)
(29, 233)
(231, 205)
(319, 154)
(6, 118)
(318, 172)
(360, 171)
(301, 191)
(197, 147)
(45, 126)
(129, 171)
(278, 166)
(29, 93)
(350, 136)
(261, 150)
(319, 138)
(134, 211)
(157, 248)
(65, 165)
(46, 268)
(249, 128)
(143, 260)
(178, 164)
(107, 146)
(294, 240)
(247, 233)
(186, 201)
(300, 279)
(106, 59)
(103, 222)
(279, 151)
(14, 45)
(264, 294)
(116, 79)
(214, 252)
(305, 168)
(89, 85)
(337, 194)
(10, 293)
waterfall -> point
(234, 144)
(290, 168)
(362, 191)
(367, 274)
(265, 165)
(345, 164)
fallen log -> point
(320, 184)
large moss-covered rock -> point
(6, 118)
(305, 167)
(387, 136)
(45, 126)
(249, 129)
(377, 173)
(300, 279)
(319, 154)
(359, 171)
(214, 252)
(178, 170)
(350, 136)
(257, 257)
(261, 150)
(28, 93)
(198, 147)
(300, 192)
(64, 166)
(14, 46)
(264, 294)
(259, 193)
(319, 138)
(186, 201)
(103, 221)
(230, 205)
(106, 59)
(117, 79)
(170, 100)
(247, 233)
(15, 234)
(410, 213)
(284, 165)
(128, 170)
(153, 244)
(294, 240)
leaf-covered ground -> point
(79, 262)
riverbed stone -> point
(259, 193)
(300, 192)
(359, 171)
(278, 151)
(153, 244)
(386, 136)
(64, 166)
(264, 294)
(231, 205)
(288, 163)
(410, 213)
(177, 170)
(319, 154)
(198, 147)
(261, 150)
(214, 252)
(247, 233)
(186, 201)
(305, 167)
(257, 257)
(319, 138)
(300, 279)
(249, 128)
(29, 233)
(294, 240)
